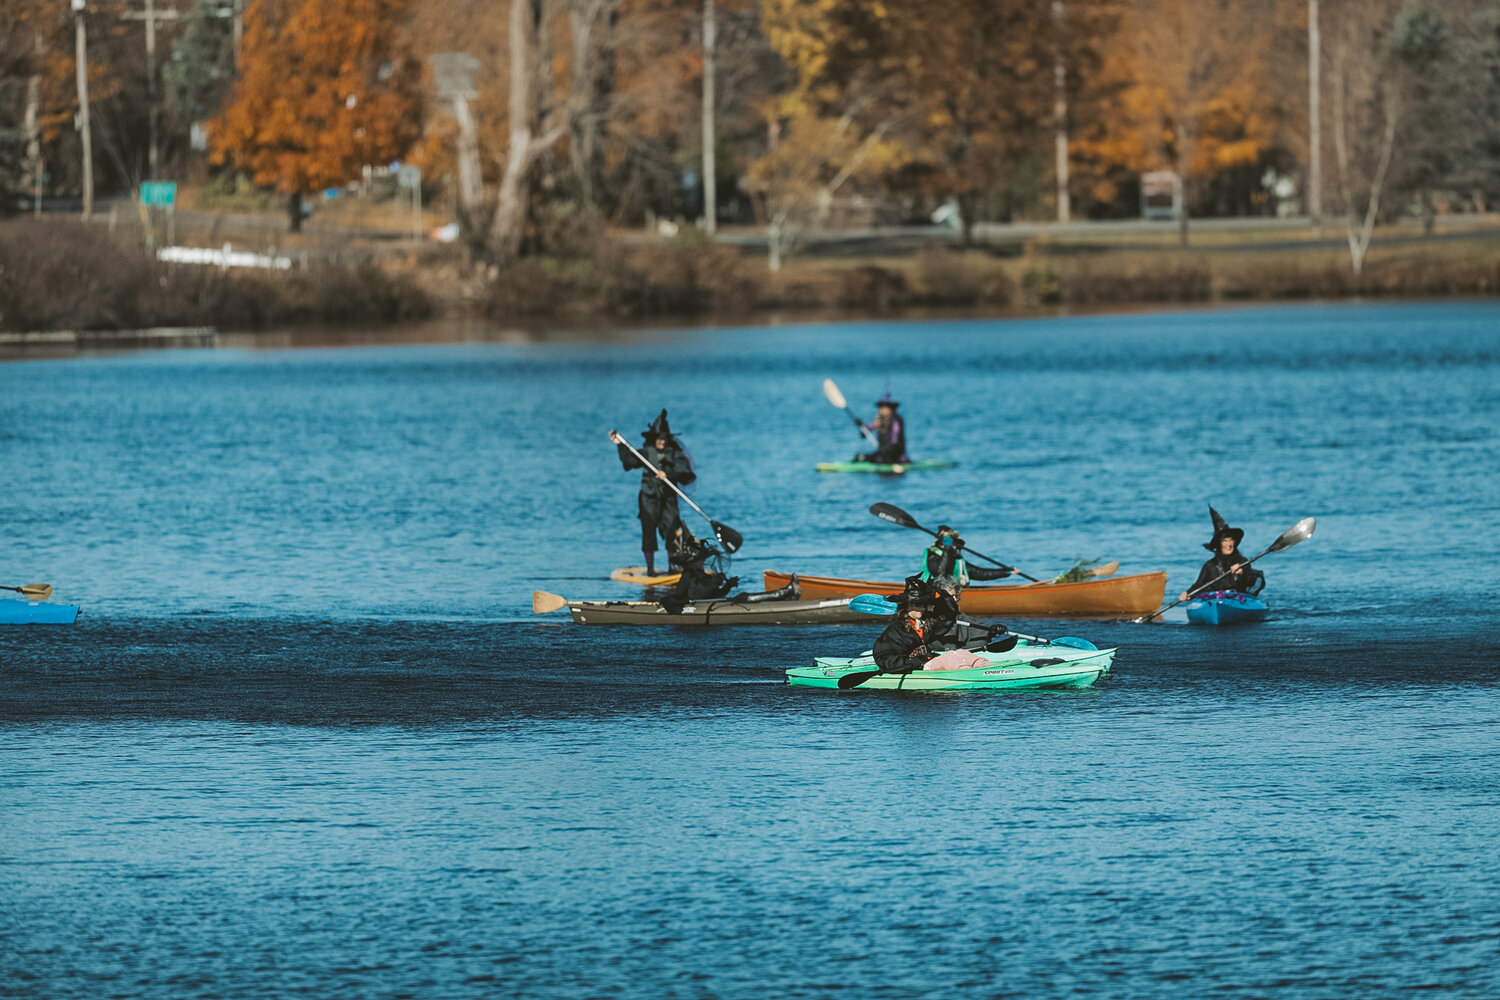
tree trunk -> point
(470, 177)
(510, 207)
(294, 210)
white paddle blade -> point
(1108, 569)
(1299, 532)
(834, 396)
(543, 602)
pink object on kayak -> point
(955, 659)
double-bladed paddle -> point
(1299, 532)
(33, 591)
(895, 515)
(857, 678)
(837, 399)
(727, 536)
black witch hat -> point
(659, 428)
(886, 400)
(1221, 529)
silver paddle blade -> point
(1299, 532)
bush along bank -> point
(72, 276)
(696, 278)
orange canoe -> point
(1111, 597)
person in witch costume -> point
(1225, 546)
(699, 582)
(902, 647)
(657, 503)
(889, 428)
(944, 563)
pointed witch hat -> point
(659, 428)
(1221, 529)
(886, 400)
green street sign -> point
(158, 192)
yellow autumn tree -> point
(1198, 100)
(326, 87)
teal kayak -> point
(37, 613)
(894, 469)
(1033, 663)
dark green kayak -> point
(895, 469)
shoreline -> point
(453, 331)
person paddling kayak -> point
(1225, 546)
(944, 561)
(889, 429)
(902, 647)
(925, 634)
(702, 568)
(657, 503)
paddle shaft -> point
(834, 396)
(712, 523)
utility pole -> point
(1314, 114)
(710, 194)
(151, 86)
(1060, 113)
(80, 46)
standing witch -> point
(889, 428)
(657, 503)
(1227, 559)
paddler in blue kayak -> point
(889, 428)
(656, 503)
(1227, 559)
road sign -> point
(409, 177)
(158, 192)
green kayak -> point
(1033, 663)
(896, 469)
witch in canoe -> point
(657, 502)
(944, 563)
(1227, 562)
(889, 428)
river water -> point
(308, 739)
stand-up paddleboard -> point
(638, 575)
(891, 469)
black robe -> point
(657, 504)
(902, 647)
(1243, 581)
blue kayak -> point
(37, 613)
(1226, 607)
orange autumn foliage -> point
(325, 88)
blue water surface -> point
(308, 738)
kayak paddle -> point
(837, 399)
(1299, 532)
(895, 515)
(857, 678)
(727, 536)
(543, 602)
(33, 591)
